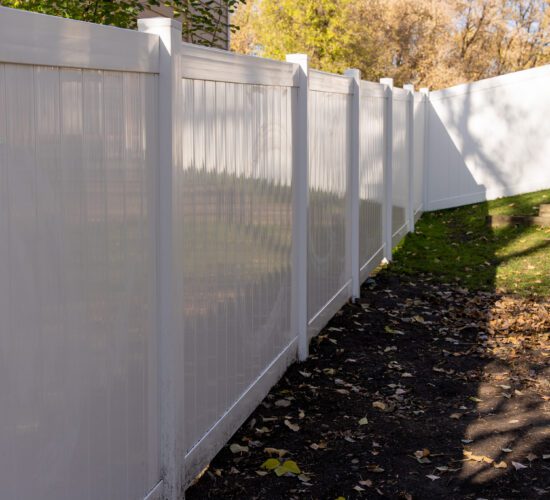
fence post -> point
(300, 195)
(353, 181)
(425, 91)
(388, 167)
(170, 341)
(410, 154)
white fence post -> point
(410, 155)
(425, 91)
(170, 346)
(300, 197)
(353, 181)
(388, 168)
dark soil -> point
(451, 382)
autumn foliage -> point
(435, 43)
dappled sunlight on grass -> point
(461, 247)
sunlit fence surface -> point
(176, 223)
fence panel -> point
(78, 363)
(232, 234)
(371, 176)
(418, 153)
(400, 166)
(329, 269)
(489, 139)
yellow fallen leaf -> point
(379, 405)
(271, 464)
(477, 458)
(500, 465)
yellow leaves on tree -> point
(433, 43)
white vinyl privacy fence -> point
(176, 223)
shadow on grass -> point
(508, 434)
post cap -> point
(301, 60)
(353, 73)
(154, 23)
(387, 81)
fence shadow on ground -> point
(503, 438)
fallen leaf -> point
(358, 488)
(519, 466)
(291, 426)
(237, 448)
(261, 472)
(374, 468)
(456, 416)
(271, 464)
(432, 477)
(276, 451)
(363, 421)
(477, 458)
(422, 453)
(380, 405)
(500, 465)
(531, 457)
(282, 403)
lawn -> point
(460, 246)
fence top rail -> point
(205, 63)
(321, 81)
(372, 89)
(515, 78)
(38, 39)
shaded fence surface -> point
(176, 223)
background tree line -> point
(204, 22)
(435, 43)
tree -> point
(203, 21)
(433, 43)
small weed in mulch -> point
(420, 390)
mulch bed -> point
(420, 390)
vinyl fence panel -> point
(77, 283)
(489, 139)
(371, 176)
(329, 270)
(232, 241)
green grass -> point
(457, 245)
